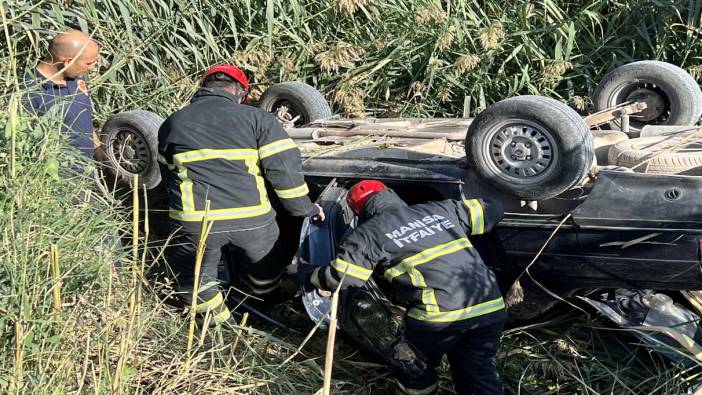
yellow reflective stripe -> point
(262, 283)
(409, 266)
(264, 291)
(393, 272)
(252, 166)
(429, 300)
(162, 159)
(428, 295)
(436, 251)
(417, 278)
(189, 214)
(276, 147)
(186, 189)
(222, 214)
(359, 272)
(427, 255)
(477, 218)
(222, 316)
(262, 287)
(211, 304)
(208, 153)
(292, 193)
(457, 315)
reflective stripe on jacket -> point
(219, 150)
(424, 251)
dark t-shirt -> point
(42, 95)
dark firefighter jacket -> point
(424, 251)
(218, 150)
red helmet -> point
(362, 191)
(232, 71)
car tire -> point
(630, 153)
(531, 147)
(300, 99)
(674, 97)
(603, 140)
(130, 141)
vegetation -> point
(70, 325)
(379, 57)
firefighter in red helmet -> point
(454, 305)
(216, 149)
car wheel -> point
(671, 94)
(295, 102)
(662, 154)
(130, 141)
(531, 147)
(603, 140)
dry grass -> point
(430, 14)
(154, 52)
(350, 6)
(491, 36)
(466, 63)
(341, 55)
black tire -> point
(686, 160)
(531, 147)
(130, 140)
(300, 99)
(603, 140)
(674, 97)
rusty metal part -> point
(655, 103)
(285, 117)
(392, 123)
(421, 128)
(314, 133)
(625, 123)
(613, 113)
(666, 130)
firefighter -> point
(454, 305)
(218, 150)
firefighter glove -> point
(301, 273)
(407, 360)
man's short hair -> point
(220, 80)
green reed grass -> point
(366, 56)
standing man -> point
(58, 80)
(220, 151)
(454, 305)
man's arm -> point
(476, 216)
(100, 154)
(352, 267)
(282, 166)
(165, 154)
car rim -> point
(130, 151)
(658, 106)
(520, 150)
(287, 113)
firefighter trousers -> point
(257, 253)
(471, 355)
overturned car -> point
(587, 210)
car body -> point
(571, 226)
(624, 229)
